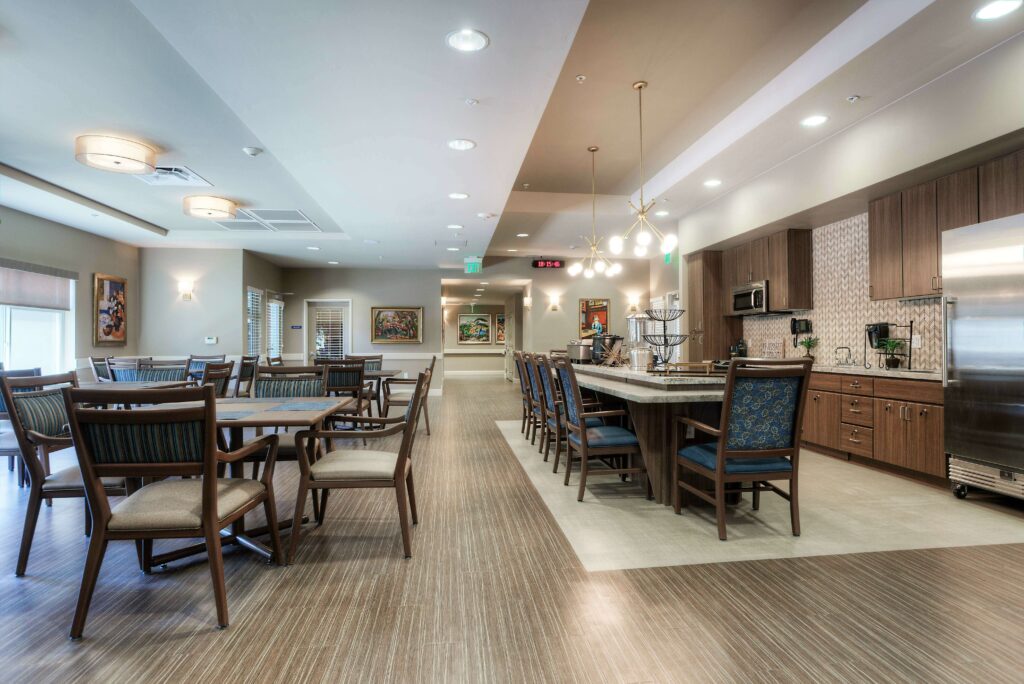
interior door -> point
(510, 336)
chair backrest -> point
(15, 373)
(197, 362)
(547, 384)
(412, 419)
(37, 406)
(572, 400)
(346, 377)
(534, 379)
(162, 370)
(290, 381)
(218, 375)
(372, 362)
(275, 361)
(99, 368)
(763, 407)
(151, 442)
(521, 372)
(163, 363)
(246, 373)
(122, 370)
(430, 371)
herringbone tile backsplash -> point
(842, 306)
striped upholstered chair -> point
(164, 443)
(165, 370)
(286, 382)
(758, 440)
(371, 363)
(40, 424)
(196, 364)
(218, 375)
(8, 441)
(246, 374)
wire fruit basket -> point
(663, 342)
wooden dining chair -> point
(394, 396)
(762, 412)
(346, 378)
(123, 369)
(287, 382)
(40, 423)
(524, 388)
(99, 368)
(617, 447)
(197, 362)
(361, 468)
(275, 361)
(164, 443)
(246, 374)
(535, 419)
(8, 440)
(218, 375)
(162, 370)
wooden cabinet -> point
(821, 418)
(1001, 187)
(910, 435)
(890, 439)
(920, 241)
(858, 410)
(885, 247)
(790, 278)
(759, 259)
(711, 333)
(737, 261)
(956, 199)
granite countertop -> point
(668, 382)
(880, 372)
(644, 394)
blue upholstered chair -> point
(40, 424)
(536, 398)
(371, 363)
(165, 443)
(758, 440)
(617, 447)
(554, 429)
(196, 364)
(524, 387)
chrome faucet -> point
(846, 360)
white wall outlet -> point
(915, 342)
(211, 340)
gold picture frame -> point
(396, 325)
(109, 311)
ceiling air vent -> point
(178, 176)
(284, 220)
(239, 225)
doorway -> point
(327, 329)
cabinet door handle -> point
(815, 398)
(924, 412)
(855, 411)
(855, 383)
(935, 282)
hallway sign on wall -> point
(473, 264)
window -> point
(36, 315)
(275, 327)
(253, 321)
(330, 333)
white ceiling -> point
(353, 102)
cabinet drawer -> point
(857, 440)
(858, 411)
(826, 382)
(858, 384)
(924, 391)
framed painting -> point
(396, 325)
(474, 329)
(109, 311)
(594, 317)
(499, 328)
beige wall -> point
(39, 241)
(173, 327)
(471, 358)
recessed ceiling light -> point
(526, 186)
(453, 249)
(457, 195)
(484, 283)
(461, 144)
(522, 235)
(479, 289)
(661, 213)
(472, 101)
(333, 263)
(476, 295)
(999, 8)
(486, 215)
(814, 120)
(313, 248)
(712, 183)
(513, 250)
(580, 78)
(455, 226)
(467, 40)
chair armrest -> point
(400, 381)
(697, 425)
(591, 402)
(603, 414)
(40, 439)
(349, 434)
(248, 450)
(369, 419)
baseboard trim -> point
(488, 373)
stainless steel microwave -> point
(749, 299)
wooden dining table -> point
(234, 414)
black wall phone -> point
(797, 327)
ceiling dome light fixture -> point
(814, 120)
(119, 155)
(647, 231)
(201, 206)
(461, 144)
(712, 183)
(467, 40)
(455, 226)
(594, 262)
(458, 195)
(997, 9)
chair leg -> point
(675, 484)
(426, 414)
(533, 439)
(300, 509)
(558, 446)
(270, 510)
(88, 517)
(547, 443)
(568, 462)
(22, 479)
(35, 499)
(403, 516)
(583, 477)
(543, 438)
(323, 507)
(10, 462)
(794, 508)
(216, 561)
(93, 561)
(412, 498)
(316, 505)
(720, 508)
(756, 496)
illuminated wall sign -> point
(473, 264)
(549, 263)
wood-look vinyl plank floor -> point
(494, 593)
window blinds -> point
(330, 333)
(275, 327)
(38, 290)
(253, 322)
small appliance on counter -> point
(579, 351)
(877, 333)
(636, 325)
(738, 350)
(602, 345)
(641, 358)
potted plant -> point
(891, 348)
(809, 343)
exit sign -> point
(473, 264)
(548, 263)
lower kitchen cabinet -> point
(821, 418)
(909, 435)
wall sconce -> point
(185, 290)
(553, 299)
(527, 302)
(444, 301)
(634, 303)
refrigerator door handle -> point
(948, 339)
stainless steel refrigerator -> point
(983, 364)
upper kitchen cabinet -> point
(789, 272)
(956, 199)
(885, 247)
(1001, 187)
(710, 331)
(738, 261)
(920, 241)
(759, 260)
